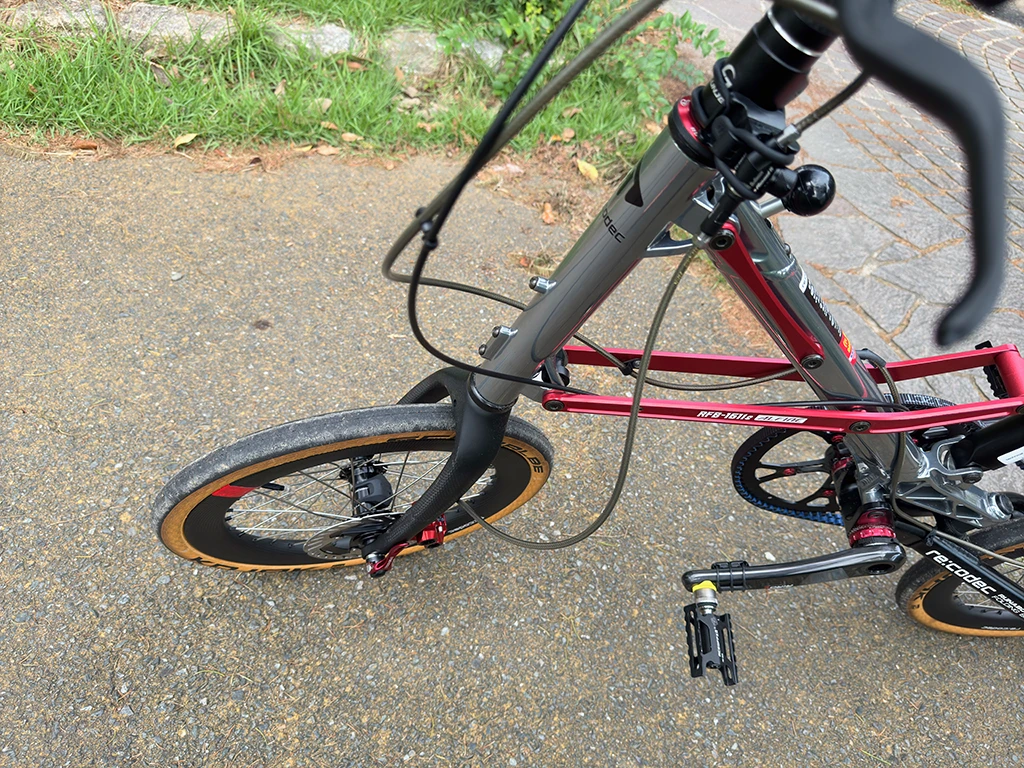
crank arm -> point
(868, 560)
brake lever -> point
(944, 83)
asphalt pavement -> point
(152, 311)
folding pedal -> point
(995, 379)
(709, 635)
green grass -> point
(102, 86)
(368, 16)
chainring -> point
(803, 488)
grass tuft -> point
(248, 90)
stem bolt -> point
(860, 426)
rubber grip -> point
(947, 85)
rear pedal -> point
(709, 635)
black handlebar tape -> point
(947, 85)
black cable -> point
(627, 444)
(559, 81)
(836, 404)
(855, 85)
(432, 227)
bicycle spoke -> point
(401, 472)
(324, 482)
(418, 479)
(268, 513)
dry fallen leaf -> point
(279, 90)
(323, 104)
(185, 138)
(428, 127)
(548, 216)
(652, 127)
(84, 144)
(555, 137)
(303, 148)
(328, 125)
(571, 111)
(159, 73)
(399, 75)
(350, 137)
(327, 149)
(354, 66)
(568, 134)
(389, 166)
(587, 170)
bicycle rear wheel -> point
(253, 505)
(934, 597)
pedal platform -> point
(710, 642)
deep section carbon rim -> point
(255, 504)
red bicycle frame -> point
(1006, 359)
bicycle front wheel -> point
(253, 505)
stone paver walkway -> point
(894, 249)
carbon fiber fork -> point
(479, 431)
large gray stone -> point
(918, 340)
(142, 23)
(326, 40)
(489, 53)
(896, 208)
(61, 16)
(884, 303)
(414, 51)
(938, 277)
(833, 241)
(941, 277)
(828, 144)
(897, 252)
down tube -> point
(655, 192)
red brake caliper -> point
(432, 537)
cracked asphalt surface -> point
(150, 312)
